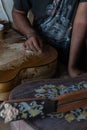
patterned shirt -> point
(53, 18)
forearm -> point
(22, 23)
(79, 33)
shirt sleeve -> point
(22, 5)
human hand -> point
(34, 43)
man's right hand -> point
(34, 43)
(23, 24)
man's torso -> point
(54, 18)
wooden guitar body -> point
(37, 66)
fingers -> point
(34, 44)
(29, 46)
(41, 44)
